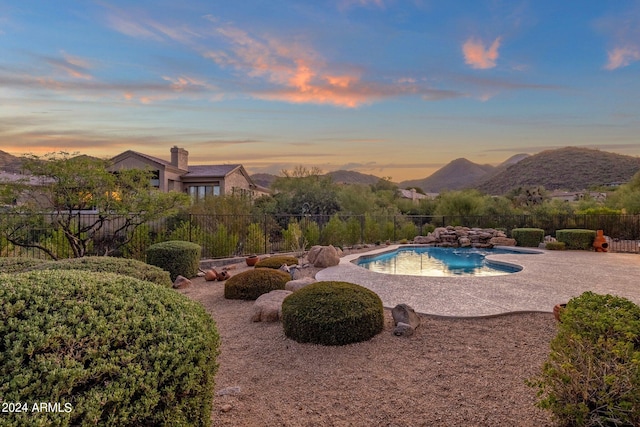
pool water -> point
(435, 261)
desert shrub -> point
(334, 232)
(18, 264)
(592, 375)
(576, 238)
(555, 246)
(222, 242)
(256, 241)
(294, 239)
(528, 237)
(332, 313)
(249, 285)
(139, 241)
(103, 264)
(175, 256)
(408, 230)
(311, 232)
(116, 350)
(353, 231)
(276, 261)
(371, 229)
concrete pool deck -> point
(548, 278)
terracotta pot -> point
(252, 260)
(557, 309)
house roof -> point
(210, 170)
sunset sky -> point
(389, 87)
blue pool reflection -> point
(435, 261)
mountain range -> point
(569, 168)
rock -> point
(403, 330)
(425, 240)
(226, 407)
(181, 282)
(502, 241)
(223, 275)
(406, 320)
(268, 307)
(229, 391)
(323, 256)
(210, 275)
(464, 242)
(294, 285)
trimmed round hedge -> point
(127, 267)
(276, 262)
(576, 238)
(250, 284)
(528, 237)
(19, 264)
(116, 350)
(332, 313)
(178, 257)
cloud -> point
(348, 4)
(298, 74)
(72, 66)
(622, 56)
(478, 56)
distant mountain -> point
(457, 175)
(570, 168)
(9, 163)
(352, 177)
(501, 167)
(263, 179)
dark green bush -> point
(178, 257)
(250, 284)
(592, 375)
(528, 237)
(120, 351)
(555, 246)
(332, 313)
(102, 264)
(276, 261)
(576, 238)
(18, 264)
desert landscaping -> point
(451, 371)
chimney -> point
(180, 158)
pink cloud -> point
(622, 56)
(478, 56)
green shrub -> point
(528, 237)
(576, 238)
(334, 232)
(102, 264)
(18, 264)
(332, 313)
(276, 261)
(249, 285)
(592, 375)
(117, 350)
(311, 232)
(256, 241)
(555, 246)
(175, 256)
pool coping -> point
(546, 279)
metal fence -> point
(231, 235)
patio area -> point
(546, 279)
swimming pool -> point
(436, 261)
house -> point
(574, 196)
(198, 181)
(414, 196)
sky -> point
(394, 88)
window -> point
(199, 192)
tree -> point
(305, 191)
(627, 196)
(118, 202)
(460, 203)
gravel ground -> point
(451, 372)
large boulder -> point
(405, 319)
(323, 256)
(294, 285)
(268, 307)
(181, 282)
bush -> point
(117, 350)
(175, 256)
(249, 285)
(276, 262)
(528, 237)
(332, 313)
(18, 264)
(576, 238)
(103, 264)
(592, 375)
(555, 246)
